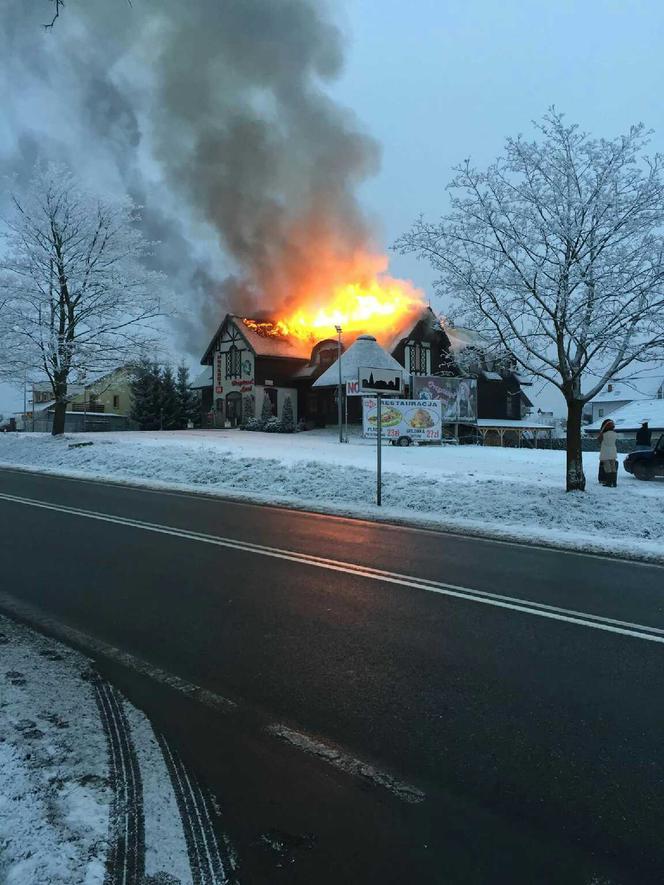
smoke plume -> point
(213, 114)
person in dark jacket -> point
(643, 437)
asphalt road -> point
(504, 703)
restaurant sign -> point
(415, 419)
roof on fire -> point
(365, 351)
(282, 346)
(274, 345)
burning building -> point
(289, 355)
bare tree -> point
(78, 299)
(58, 6)
(554, 254)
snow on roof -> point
(365, 351)
(630, 389)
(203, 379)
(408, 322)
(460, 337)
(509, 424)
(491, 376)
(631, 416)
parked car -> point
(648, 463)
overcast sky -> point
(435, 81)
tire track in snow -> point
(209, 865)
(126, 860)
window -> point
(418, 358)
(327, 357)
(610, 388)
(233, 362)
(600, 413)
(116, 401)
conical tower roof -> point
(365, 351)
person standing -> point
(608, 454)
(643, 436)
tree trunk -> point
(59, 418)
(60, 394)
(576, 480)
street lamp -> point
(341, 429)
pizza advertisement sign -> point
(417, 419)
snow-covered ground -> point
(511, 493)
(84, 782)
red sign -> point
(237, 383)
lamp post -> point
(339, 405)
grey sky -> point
(434, 82)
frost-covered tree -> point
(266, 411)
(554, 254)
(186, 398)
(170, 414)
(78, 299)
(287, 417)
(146, 395)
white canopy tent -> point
(365, 351)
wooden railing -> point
(87, 407)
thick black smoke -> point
(213, 113)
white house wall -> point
(223, 384)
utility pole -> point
(339, 403)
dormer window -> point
(610, 388)
(418, 358)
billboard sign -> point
(458, 396)
(380, 380)
(417, 419)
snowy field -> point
(86, 793)
(508, 493)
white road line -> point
(40, 619)
(525, 606)
(339, 758)
(308, 508)
(345, 762)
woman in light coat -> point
(608, 454)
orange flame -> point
(376, 304)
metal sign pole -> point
(379, 427)
(346, 417)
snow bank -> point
(55, 797)
(509, 493)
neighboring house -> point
(619, 393)
(108, 394)
(628, 418)
(102, 404)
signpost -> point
(414, 420)
(372, 380)
(379, 428)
